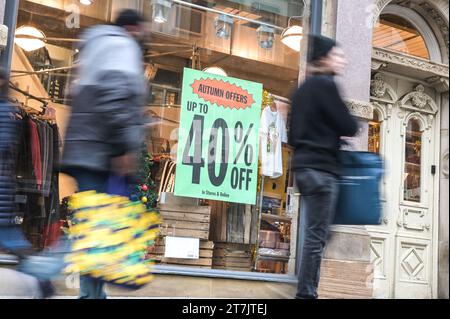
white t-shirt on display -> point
(273, 132)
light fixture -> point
(292, 36)
(266, 36)
(29, 38)
(161, 10)
(86, 2)
(223, 25)
(215, 70)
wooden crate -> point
(233, 223)
(233, 257)
(185, 221)
(157, 252)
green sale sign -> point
(218, 143)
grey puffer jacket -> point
(107, 110)
(8, 145)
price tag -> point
(219, 138)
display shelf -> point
(271, 257)
(271, 218)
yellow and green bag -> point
(110, 236)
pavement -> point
(16, 285)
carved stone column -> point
(2, 10)
(443, 270)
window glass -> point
(397, 34)
(375, 134)
(413, 155)
(247, 46)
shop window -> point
(397, 34)
(232, 236)
(413, 161)
(375, 134)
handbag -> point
(110, 235)
(359, 201)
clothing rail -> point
(31, 111)
(30, 96)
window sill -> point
(222, 274)
(198, 272)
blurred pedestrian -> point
(319, 120)
(106, 128)
(12, 238)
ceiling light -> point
(161, 10)
(223, 25)
(215, 70)
(266, 37)
(29, 38)
(86, 2)
(292, 37)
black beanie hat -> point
(129, 17)
(319, 47)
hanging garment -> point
(273, 133)
(8, 135)
(47, 159)
(52, 232)
(36, 153)
(26, 179)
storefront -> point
(242, 42)
(246, 244)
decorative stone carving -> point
(430, 120)
(442, 6)
(419, 101)
(381, 91)
(377, 65)
(439, 83)
(438, 19)
(401, 115)
(418, 98)
(389, 110)
(360, 109)
(388, 56)
(379, 5)
(378, 87)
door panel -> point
(402, 248)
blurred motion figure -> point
(106, 128)
(319, 120)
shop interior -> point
(245, 39)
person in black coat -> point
(319, 121)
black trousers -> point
(319, 193)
